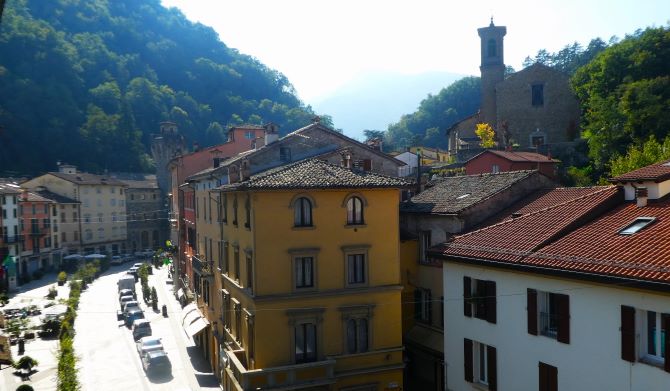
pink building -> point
(492, 161)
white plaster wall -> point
(592, 360)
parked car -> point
(124, 299)
(141, 328)
(116, 260)
(138, 265)
(128, 258)
(127, 306)
(149, 344)
(133, 271)
(127, 292)
(156, 361)
(132, 315)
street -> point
(108, 359)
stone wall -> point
(557, 118)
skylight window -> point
(637, 225)
(463, 196)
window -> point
(249, 135)
(46, 209)
(304, 272)
(86, 203)
(548, 377)
(226, 308)
(63, 237)
(479, 299)
(235, 210)
(495, 169)
(302, 211)
(549, 314)
(357, 335)
(251, 339)
(644, 336)
(238, 320)
(356, 269)
(247, 210)
(305, 342)
(250, 272)
(75, 235)
(98, 190)
(285, 154)
(538, 95)
(62, 217)
(480, 364)
(425, 242)
(354, 211)
(101, 233)
(99, 217)
(132, 197)
(225, 208)
(637, 225)
(236, 258)
(112, 202)
(423, 310)
(226, 258)
(88, 234)
(491, 48)
(114, 218)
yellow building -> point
(298, 275)
(431, 156)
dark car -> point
(156, 361)
(133, 314)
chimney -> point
(271, 133)
(196, 146)
(244, 170)
(641, 196)
(67, 169)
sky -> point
(321, 44)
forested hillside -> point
(88, 81)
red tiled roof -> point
(521, 156)
(540, 199)
(643, 255)
(515, 239)
(656, 172)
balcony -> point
(293, 377)
(11, 239)
(201, 266)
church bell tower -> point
(492, 68)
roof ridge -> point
(540, 210)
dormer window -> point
(637, 225)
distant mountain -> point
(375, 100)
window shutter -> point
(628, 333)
(367, 164)
(491, 367)
(563, 334)
(548, 377)
(417, 304)
(467, 295)
(467, 359)
(665, 326)
(491, 301)
(531, 303)
(429, 304)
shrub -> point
(25, 362)
(62, 277)
(154, 299)
(24, 387)
(53, 292)
(4, 299)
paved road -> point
(108, 359)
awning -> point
(180, 293)
(190, 318)
(197, 326)
(186, 311)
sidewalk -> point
(42, 350)
(202, 376)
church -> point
(533, 109)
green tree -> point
(639, 156)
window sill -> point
(480, 386)
(354, 226)
(356, 285)
(303, 227)
(653, 361)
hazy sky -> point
(321, 44)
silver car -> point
(149, 344)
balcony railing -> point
(11, 239)
(548, 324)
(36, 231)
(201, 266)
(292, 377)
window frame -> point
(362, 250)
(360, 317)
(299, 317)
(355, 216)
(537, 94)
(303, 216)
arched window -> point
(492, 48)
(355, 211)
(302, 210)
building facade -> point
(102, 225)
(35, 227)
(146, 215)
(572, 296)
(10, 236)
(297, 275)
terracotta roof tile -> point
(453, 194)
(316, 174)
(515, 239)
(83, 178)
(515, 156)
(656, 172)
